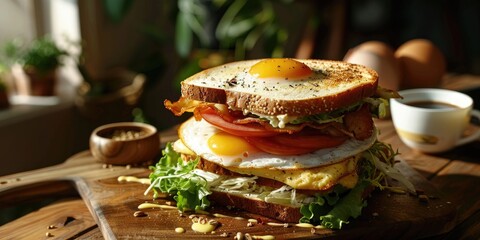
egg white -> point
(235, 77)
(277, 87)
(195, 134)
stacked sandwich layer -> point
(295, 136)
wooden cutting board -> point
(388, 215)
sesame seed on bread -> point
(333, 85)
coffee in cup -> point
(433, 120)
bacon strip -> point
(182, 105)
(331, 128)
(358, 124)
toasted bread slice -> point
(280, 212)
(332, 85)
(284, 213)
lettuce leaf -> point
(313, 211)
(334, 210)
(177, 177)
(333, 116)
(350, 205)
(379, 107)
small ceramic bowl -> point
(125, 143)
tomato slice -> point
(273, 142)
(309, 141)
(273, 147)
(244, 130)
(294, 144)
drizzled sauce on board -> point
(206, 227)
(145, 181)
(179, 230)
(154, 205)
(263, 237)
(203, 228)
(226, 216)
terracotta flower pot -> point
(41, 83)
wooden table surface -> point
(456, 174)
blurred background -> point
(69, 66)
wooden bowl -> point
(125, 143)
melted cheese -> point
(179, 147)
(350, 180)
(319, 178)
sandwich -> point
(289, 139)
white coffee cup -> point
(433, 120)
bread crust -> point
(335, 85)
(276, 211)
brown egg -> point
(423, 64)
(380, 57)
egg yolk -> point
(222, 143)
(280, 68)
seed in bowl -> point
(126, 134)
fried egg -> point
(277, 77)
(228, 150)
(280, 68)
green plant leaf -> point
(12, 51)
(195, 14)
(43, 55)
(252, 38)
(226, 21)
(240, 28)
(183, 36)
(117, 9)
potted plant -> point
(40, 61)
